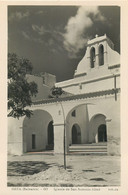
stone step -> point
(86, 147)
(89, 148)
(87, 153)
(93, 144)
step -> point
(87, 153)
(89, 148)
(92, 144)
(82, 147)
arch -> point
(102, 133)
(97, 115)
(97, 127)
(81, 119)
(35, 131)
(74, 108)
(92, 57)
(76, 134)
(101, 55)
(50, 133)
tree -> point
(19, 90)
(57, 91)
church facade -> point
(88, 116)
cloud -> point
(52, 35)
(32, 38)
(77, 28)
(25, 35)
(39, 29)
(18, 15)
(49, 37)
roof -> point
(78, 96)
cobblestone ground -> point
(47, 170)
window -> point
(101, 55)
(92, 57)
(80, 86)
(33, 141)
(74, 113)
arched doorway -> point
(102, 133)
(76, 134)
(35, 131)
(97, 126)
(50, 133)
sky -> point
(54, 38)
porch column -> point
(59, 138)
(96, 138)
(85, 119)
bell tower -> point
(100, 55)
(98, 48)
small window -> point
(74, 113)
(33, 141)
(92, 57)
(101, 55)
(80, 86)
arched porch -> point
(37, 131)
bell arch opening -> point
(101, 55)
(92, 57)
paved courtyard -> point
(47, 170)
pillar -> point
(96, 138)
(85, 118)
(59, 138)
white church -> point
(88, 113)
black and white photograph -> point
(63, 96)
(64, 125)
